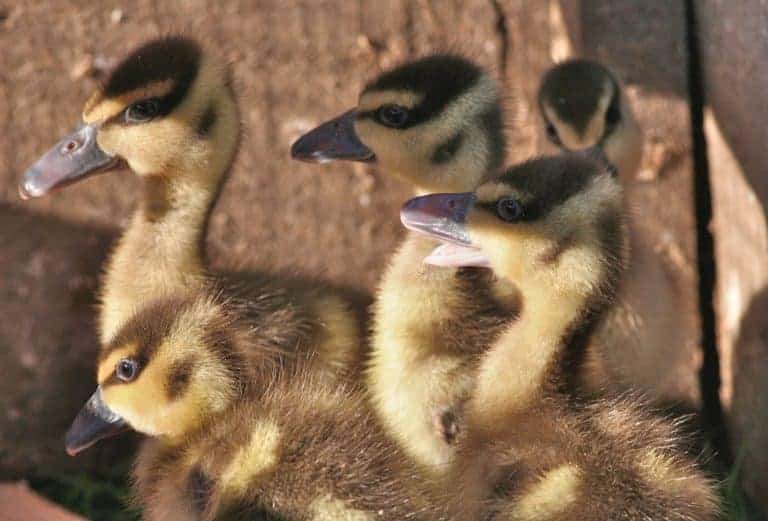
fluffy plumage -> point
(249, 436)
(583, 105)
(431, 323)
(183, 153)
(532, 448)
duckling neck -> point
(532, 354)
(172, 219)
(163, 248)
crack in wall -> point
(709, 375)
(502, 35)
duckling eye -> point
(126, 369)
(552, 133)
(142, 111)
(393, 115)
(509, 209)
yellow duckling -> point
(531, 447)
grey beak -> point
(73, 158)
(442, 216)
(333, 140)
(94, 422)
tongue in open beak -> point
(443, 216)
(75, 157)
(451, 255)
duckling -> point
(169, 112)
(531, 447)
(234, 434)
(583, 106)
(436, 123)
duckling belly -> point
(430, 324)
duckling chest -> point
(440, 310)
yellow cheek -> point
(148, 148)
(373, 100)
(140, 403)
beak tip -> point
(29, 188)
(333, 140)
(72, 448)
(27, 191)
(303, 150)
(297, 151)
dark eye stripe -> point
(179, 378)
(446, 150)
(207, 120)
(530, 211)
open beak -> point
(73, 158)
(443, 216)
(94, 422)
(333, 140)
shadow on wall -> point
(630, 38)
(750, 395)
(47, 337)
(48, 341)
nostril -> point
(451, 204)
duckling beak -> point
(94, 422)
(71, 159)
(443, 216)
(333, 140)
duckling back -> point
(611, 459)
(301, 450)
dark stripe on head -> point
(546, 183)
(175, 58)
(440, 79)
(446, 150)
(179, 377)
(574, 88)
(223, 348)
(492, 123)
(207, 121)
(148, 328)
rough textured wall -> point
(734, 47)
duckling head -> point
(435, 122)
(554, 221)
(583, 107)
(165, 110)
(171, 368)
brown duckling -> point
(531, 448)
(583, 106)
(169, 112)
(436, 123)
(234, 434)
